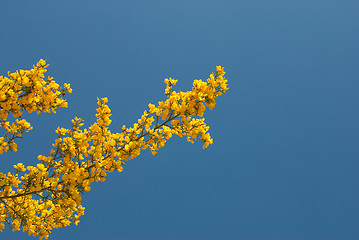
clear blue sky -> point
(285, 160)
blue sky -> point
(285, 158)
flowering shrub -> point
(47, 196)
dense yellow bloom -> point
(47, 196)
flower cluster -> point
(47, 196)
(26, 90)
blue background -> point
(285, 158)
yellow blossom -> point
(40, 198)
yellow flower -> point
(48, 195)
